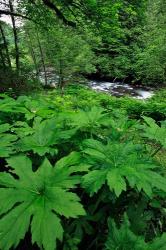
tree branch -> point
(7, 12)
(59, 14)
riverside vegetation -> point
(78, 170)
(82, 169)
(112, 39)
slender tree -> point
(2, 59)
(17, 56)
(33, 55)
(5, 45)
(42, 57)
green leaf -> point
(122, 164)
(154, 132)
(7, 144)
(10, 105)
(116, 182)
(14, 225)
(43, 195)
(94, 180)
(4, 127)
(49, 227)
(90, 121)
(22, 129)
(158, 243)
(46, 135)
(71, 160)
(123, 237)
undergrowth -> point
(82, 171)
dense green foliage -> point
(124, 238)
(151, 64)
(116, 39)
(81, 169)
(76, 172)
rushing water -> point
(120, 89)
(114, 88)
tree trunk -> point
(5, 45)
(32, 52)
(15, 37)
(42, 58)
(2, 60)
(61, 79)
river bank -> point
(117, 89)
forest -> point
(83, 124)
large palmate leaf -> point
(123, 238)
(22, 129)
(155, 132)
(119, 164)
(46, 135)
(6, 141)
(38, 107)
(37, 199)
(28, 106)
(91, 120)
(121, 126)
(10, 105)
(4, 127)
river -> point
(113, 88)
(120, 89)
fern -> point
(115, 163)
(37, 199)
